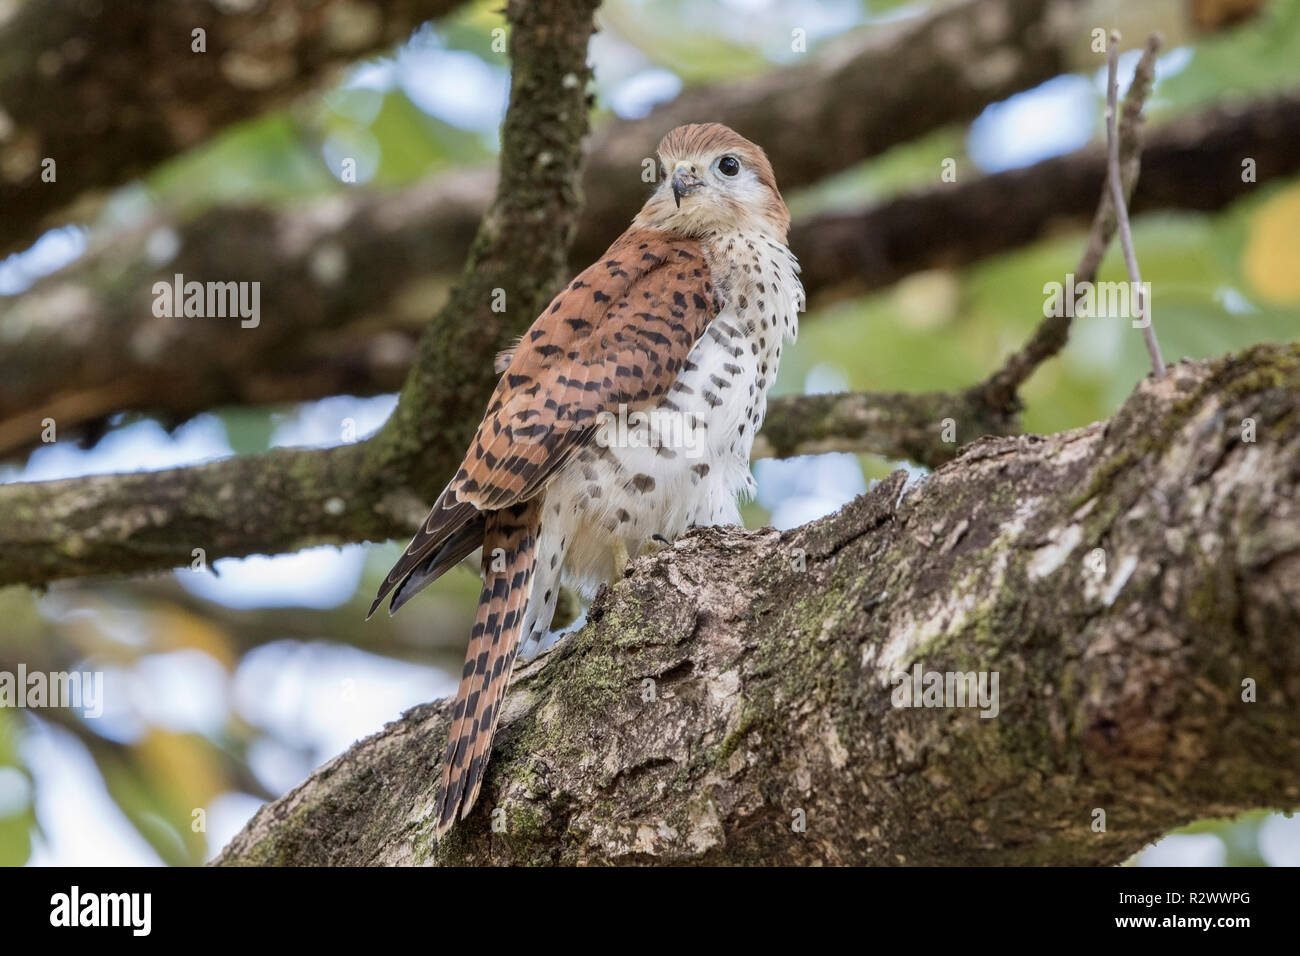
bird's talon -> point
(654, 544)
(619, 553)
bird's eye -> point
(729, 165)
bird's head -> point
(712, 179)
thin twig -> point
(999, 390)
(1121, 206)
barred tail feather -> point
(509, 556)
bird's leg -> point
(619, 551)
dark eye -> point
(728, 165)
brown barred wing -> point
(619, 334)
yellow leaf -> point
(1271, 260)
(181, 766)
(178, 629)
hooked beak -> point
(685, 182)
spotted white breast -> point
(684, 462)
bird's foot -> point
(653, 545)
(619, 553)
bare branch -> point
(1000, 389)
(896, 425)
(1118, 202)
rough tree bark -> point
(1122, 580)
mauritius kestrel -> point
(678, 327)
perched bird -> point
(624, 415)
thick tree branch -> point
(129, 523)
(288, 499)
(110, 89)
(1128, 582)
(347, 287)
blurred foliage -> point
(1220, 283)
(158, 786)
(1240, 837)
(18, 823)
(906, 167)
(696, 55)
(941, 330)
(1260, 56)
